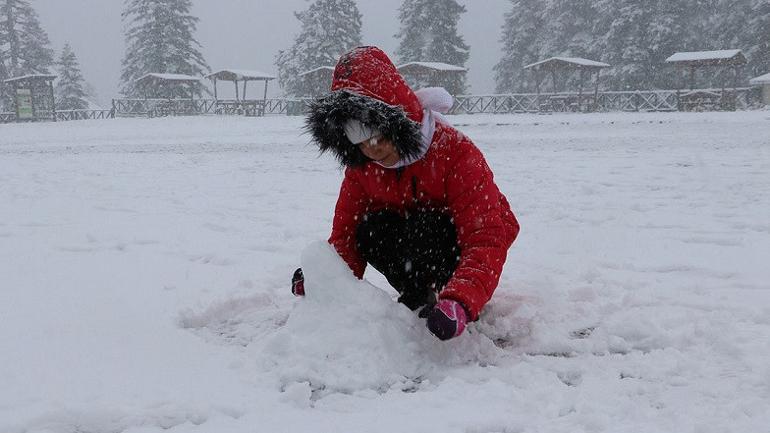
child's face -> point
(381, 150)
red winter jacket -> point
(452, 176)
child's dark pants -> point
(417, 253)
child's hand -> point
(447, 319)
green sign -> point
(24, 104)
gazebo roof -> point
(760, 80)
(32, 77)
(567, 63)
(240, 75)
(316, 70)
(430, 66)
(179, 78)
(708, 58)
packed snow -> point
(146, 264)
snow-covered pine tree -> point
(160, 38)
(756, 38)
(519, 39)
(429, 30)
(670, 30)
(569, 30)
(625, 44)
(413, 33)
(24, 45)
(638, 37)
(70, 92)
(329, 29)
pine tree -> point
(414, 31)
(636, 38)
(329, 29)
(519, 39)
(24, 45)
(428, 33)
(70, 92)
(625, 43)
(160, 39)
(756, 38)
(669, 31)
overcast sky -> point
(247, 34)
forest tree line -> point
(634, 37)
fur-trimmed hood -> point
(366, 86)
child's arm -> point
(351, 205)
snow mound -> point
(347, 335)
(237, 321)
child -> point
(418, 201)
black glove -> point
(298, 283)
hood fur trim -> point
(328, 116)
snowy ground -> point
(144, 268)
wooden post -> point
(236, 90)
(53, 100)
(596, 90)
(723, 100)
(244, 88)
(34, 108)
(264, 96)
(553, 79)
(580, 90)
(538, 80)
(692, 77)
(215, 89)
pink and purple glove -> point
(447, 319)
(298, 283)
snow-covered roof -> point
(31, 77)
(762, 79)
(240, 75)
(578, 62)
(322, 68)
(170, 77)
(708, 57)
(436, 66)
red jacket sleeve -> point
(483, 235)
(351, 205)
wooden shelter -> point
(238, 75)
(566, 65)
(166, 85)
(33, 97)
(427, 74)
(763, 81)
(694, 60)
(708, 100)
(317, 82)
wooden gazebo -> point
(240, 105)
(698, 100)
(33, 97)
(555, 66)
(426, 74)
(317, 81)
(166, 85)
(694, 60)
(240, 75)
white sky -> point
(247, 34)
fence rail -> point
(743, 98)
(65, 115)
